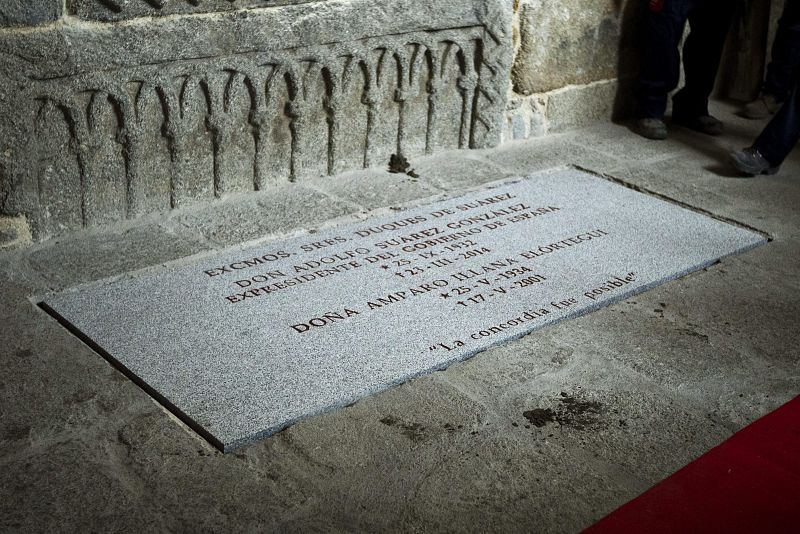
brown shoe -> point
(700, 123)
(651, 128)
(762, 107)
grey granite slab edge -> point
(158, 397)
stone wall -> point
(113, 110)
(747, 50)
(571, 57)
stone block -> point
(14, 231)
(149, 116)
(452, 171)
(574, 107)
(526, 117)
(573, 42)
(29, 13)
(383, 189)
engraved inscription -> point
(445, 254)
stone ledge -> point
(52, 52)
(22, 13)
(563, 109)
(115, 10)
(574, 42)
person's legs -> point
(709, 22)
(662, 29)
(775, 142)
(781, 71)
(782, 133)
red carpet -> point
(750, 483)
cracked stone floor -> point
(547, 433)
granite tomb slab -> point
(243, 343)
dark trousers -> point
(783, 131)
(664, 22)
(782, 70)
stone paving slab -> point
(244, 342)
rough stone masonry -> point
(117, 108)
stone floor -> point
(636, 390)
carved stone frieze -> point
(90, 146)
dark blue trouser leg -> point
(782, 70)
(662, 30)
(783, 131)
(709, 22)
